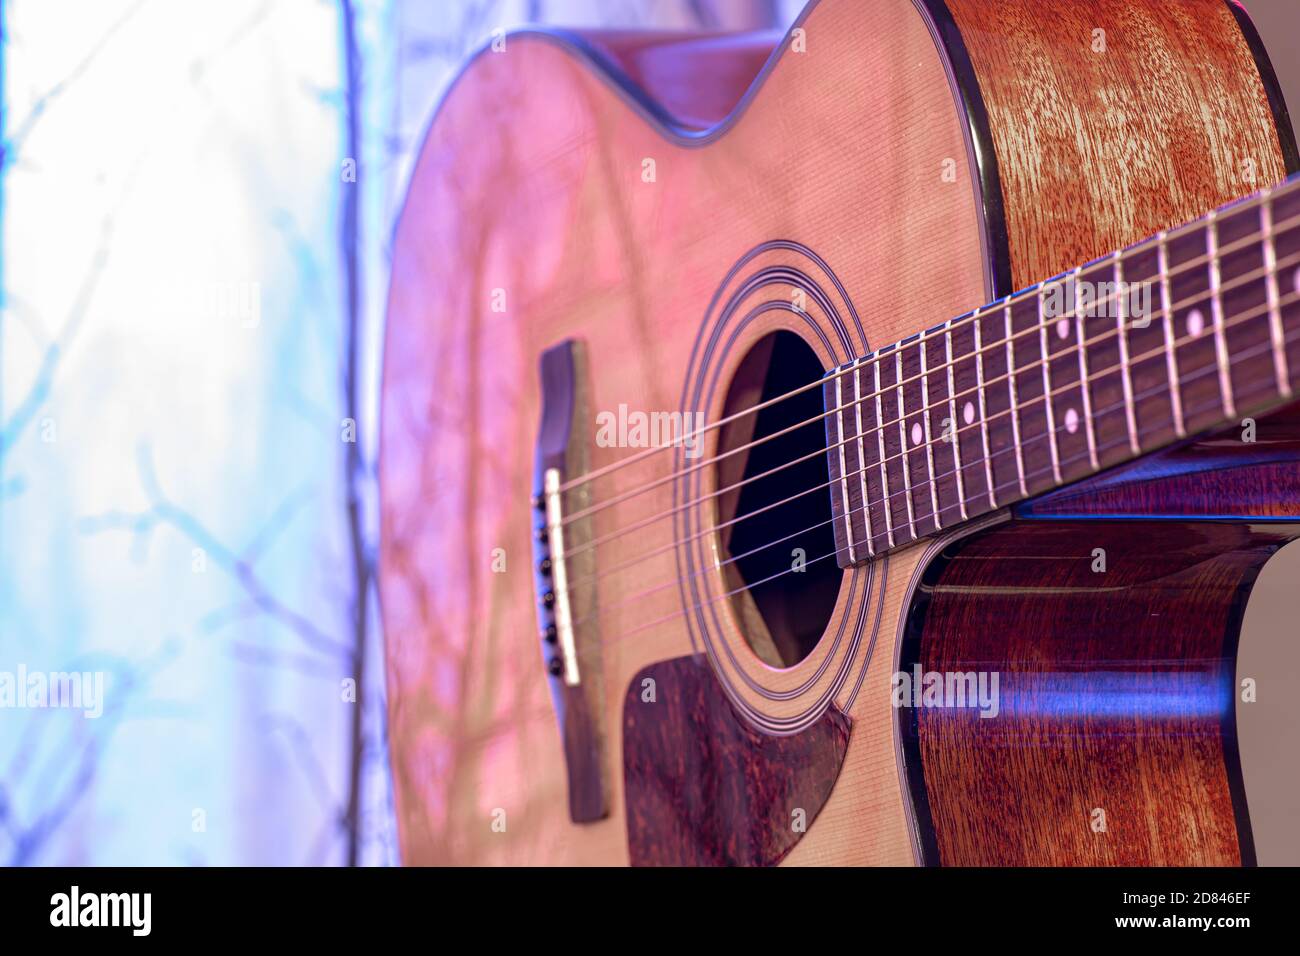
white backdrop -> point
(173, 490)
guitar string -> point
(1122, 440)
(924, 411)
(605, 609)
(930, 444)
(1190, 377)
(893, 350)
(884, 500)
(1242, 206)
(1002, 344)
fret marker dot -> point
(1063, 328)
(1195, 323)
(1295, 279)
(916, 433)
(968, 412)
(1071, 421)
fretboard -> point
(1191, 330)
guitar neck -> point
(1188, 331)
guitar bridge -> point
(566, 590)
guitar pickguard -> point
(703, 787)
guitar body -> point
(689, 210)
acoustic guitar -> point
(860, 445)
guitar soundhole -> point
(779, 564)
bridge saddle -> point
(566, 589)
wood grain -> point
(1116, 689)
(706, 789)
(1098, 150)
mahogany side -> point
(1244, 473)
(1115, 740)
(1096, 113)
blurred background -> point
(197, 201)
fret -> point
(953, 423)
(926, 412)
(846, 440)
(852, 465)
(1049, 409)
(844, 526)
(1244, 304)
(983, 416)
(1029, 402)
(996, 399)
(1167, 323)
(972, 431)
(1194, 336)
(862, 465)
(1013, 401)
(907, 369)
(1106, 392)
(1062, 360)
(1085, 391)
(1216, 310)
(1285, 215)
(1126, 381)
(893, 463)
(938, 452)
(1137, 275)
(1276, 335)
(885, 503)
(876, 511)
